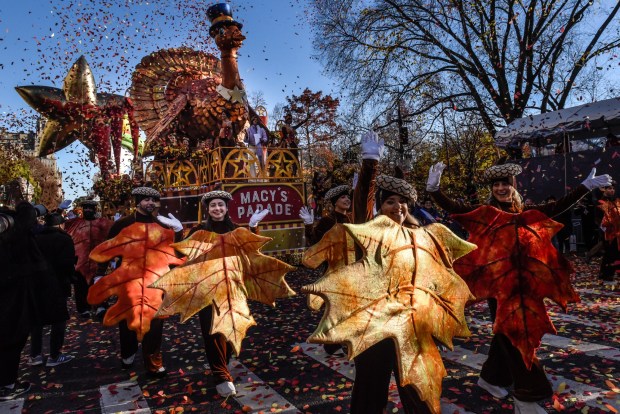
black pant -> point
(80, 292)
(504, 366)
(57, 339)
(216, 347)
(10, 351)
(151, 343)
(610, 256)
(373, 370)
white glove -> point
(171, 222)
(306, 215)
(257, 217)
(65, 205)
(96, 279)
(434, 177)
(593, 182)
(117, 216)
(372, 146)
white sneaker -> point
(522, 407)
(226, 389)
(494, 390)
(127, 363)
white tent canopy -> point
(593, 120)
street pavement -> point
(277, 371)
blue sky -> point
(40, 39)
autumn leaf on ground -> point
(516, 264)
(403, 288)
(611, 219)
(337, 249)
(146, 255)
(228, 270)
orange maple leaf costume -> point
(610, 263)
(87, 234)
(142, 241)
(517, 265)
(611, 219)
(146, 256)
(520, 267)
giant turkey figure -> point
(179, 94)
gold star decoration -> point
(283, 161)
(77, 112)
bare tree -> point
(314, 118)
(257, 98)
(495, 58)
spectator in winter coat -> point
(22, 273)
(57, 248)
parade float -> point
(177, 98)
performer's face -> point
(89, 212)
(343, 203)
(147, 205)
(395, 207)
(609, 191)
(157, 207)
(217, 209)
(502, 191)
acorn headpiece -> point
(335, 193)
(140, 193)
(389, 185)
(502, 172)
(211, 195)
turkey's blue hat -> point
(220, 15)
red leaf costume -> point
(146, 255)
(611, 219)
(516, 264)
(87, 234)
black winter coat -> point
(57, 249)
(23, 275)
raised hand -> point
(306, 215)
(372, 146)
(434, 176)
(257, 217)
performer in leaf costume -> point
(142, 241)
(515, 267)
(340, 197)
(87, 232)
(609, 204)
(395, 297)
(223, 270)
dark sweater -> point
(314, 233)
